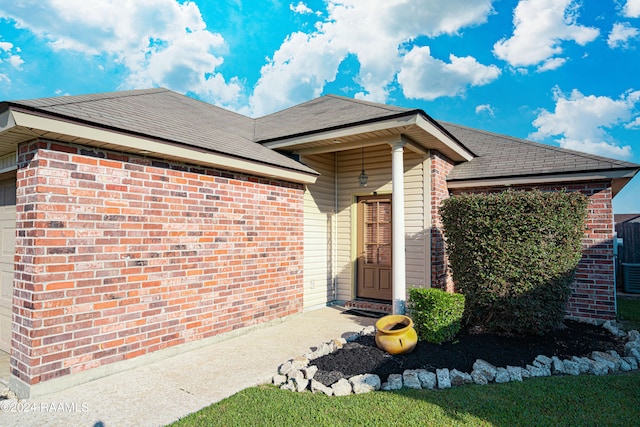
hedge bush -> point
(436, 314)
(513, 255)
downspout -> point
(615, 270)
(334, 231)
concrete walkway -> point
(162, 392)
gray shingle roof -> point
(324, 113)
(168, 116)
(501, 156)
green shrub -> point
(436, 314)
(513, 255)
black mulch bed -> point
(363, 357)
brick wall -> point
(593, 292)
(119, 256)
(440, 168)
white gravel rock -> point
(479, 378)
(502, 376)
(515, 373)
(444, 381)
(318, 387)
(459, 378)
(633, 335)
(365, 383)
(633, 363)
(427, 379)
(279, 379)
(309, 371)
(342, 387)
(410, 379)
(394, 382)
(571, 367)
(557, 367)
(486, 369)
(542, 361)
(606, 359)
(369, 330)
(583, 364)
(535, 371)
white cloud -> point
(424, 77)
(551, 64)
(582, 122)
(300, 8)
(160, 42)
(297, 72)
(16, 61)
(635, 124)
(485, 108)
(540, 27)
(372, 32)
(7, 54)
(632, 9)
(620, 35)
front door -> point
(374, 248)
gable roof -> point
(334, 123)
(163, 115)
(324, 113)
(165, 120)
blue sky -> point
(560, 72)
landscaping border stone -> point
(297, 374)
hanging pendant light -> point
(363, 178)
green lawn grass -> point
(553, 401)
(612, 400)
(629, 313)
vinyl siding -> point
(378, 168)
(319, 209)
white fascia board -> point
(443, 137)
(147, 146)
(6, 121)
(382, 125)
(542, 179)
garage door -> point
(7, 250)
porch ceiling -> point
(420, 134)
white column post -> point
(397, 218)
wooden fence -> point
(629, 252)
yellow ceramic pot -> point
(395, 334)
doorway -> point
(374, 234)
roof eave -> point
(42, 124)
(618, 177)
(448, 144)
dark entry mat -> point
(364, 313)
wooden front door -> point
(374, 248)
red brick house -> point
(139, 224)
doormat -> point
(364, 313)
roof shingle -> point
(324, 113)
(501, 156)
(169, 116)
